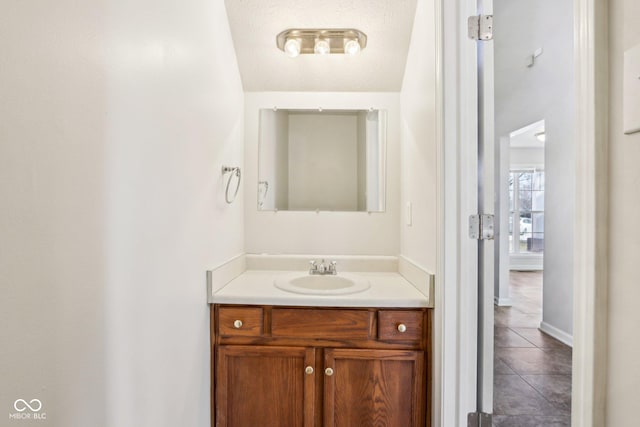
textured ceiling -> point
(379, 67)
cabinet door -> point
(374, 388)
(264, 386)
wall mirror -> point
(322, 160)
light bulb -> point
(292, 47)
(322, 47)
(541, 136)
(351, 46)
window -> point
(526, 207)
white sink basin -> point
(304, 283)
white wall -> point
(338, 233)
(544, 92)
(420, 183)
(521, 157)
(419, 142)
(116, 119)
(53, 264)
(623, 355)
(323, 150)
(502, 260)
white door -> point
(486, 205)
(467, 302)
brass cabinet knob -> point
(328, 372)
(308, 370)
(402, 328)
(237, 324)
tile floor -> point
(532, 371)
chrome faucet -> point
(323, 268)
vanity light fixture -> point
(296, 41)
(541, 136)
(322, 47)
(292, 47)
(351, 46)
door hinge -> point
(481, 227)
(478, 419)
(480, 27)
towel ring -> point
(234, 171)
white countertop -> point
(388, 289)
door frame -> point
(591, 39)
(455, 320)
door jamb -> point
(590, 230)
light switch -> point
(631, 90)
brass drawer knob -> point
(402, 328)
(328, 372)
(308, 370)
(237, 324)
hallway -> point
(532, 381)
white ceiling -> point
(379, 67)
(526, 137)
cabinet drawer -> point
(401, 325)
(240, 321)
(324, 324)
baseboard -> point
(557, 333)
(224, 273)
(502, 302)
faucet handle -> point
(313, 266)
(332, 267)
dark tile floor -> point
(532, 371)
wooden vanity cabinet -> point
(314, 367)
(263, 386)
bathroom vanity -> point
(282, 359)
(300, 366)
